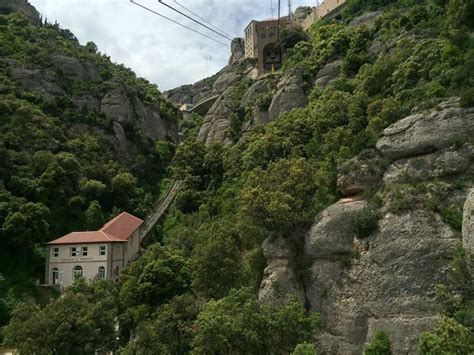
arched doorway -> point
(272, 57)
(101, 272)
(55, 276)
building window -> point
(271, 34)
(84, 251)
(55, 252)
(75, 251)
(116, 271)
(55, 275)
(103, 250)
(77, 271)
(101, 272)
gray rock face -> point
(290, 94)
(332, 233)
(237, 48)
(73, 66)
(44, 83)
(328, 73)
(224, 81)
(468, 224)
(302, 12)
(367, 19)
(154, 126)
(279, 280)
(216, 122)
(443, 163)
(117, 106)
(88, 102)
(23, 7)
(389, 287)
(426, 132)
(359, 175)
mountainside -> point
(80, 139)
(326, 207)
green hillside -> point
(196, 289)
(62, 164)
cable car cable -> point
(176, 22)
(192, 19)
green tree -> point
(28, 226)
(289, 37)
(238, 323)
(281, 196)
(81, 322)
(380, 345)
(217, 266)
(304, 349)
(169, 331)
(449, 337)
(94, 217)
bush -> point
(380, 345)
(304, 349)
(364, 222)
(449, 337)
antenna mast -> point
(290, 11)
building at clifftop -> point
(261, 37)
(93, 254)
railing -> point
(158, 211)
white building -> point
(93, 255)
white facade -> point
(89, 260)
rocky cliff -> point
(385, 281)
(20, 6)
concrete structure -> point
(330, 9)
(260, 43)
(261, 36)
(93, 255)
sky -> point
(156, 49)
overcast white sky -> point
(162, 52)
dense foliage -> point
(196, 292)
(60, 170)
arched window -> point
(55, 275)
(77, 271)
(101, 272)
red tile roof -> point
(118, 229)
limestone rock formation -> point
(367, 19)
(88, 102)
(43, 83)
(328, 73)
(237, 48)
(468, 224)
(359, 175)
(83, 70)
(426, 132)
(279, 281)
(117, 107)
(290, 94)
(332, 233)
(20, 6)
(443, 163)
(388, 288)
(217, 122)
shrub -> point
(304, 349)
(449, 337)
(380, 345)
(364, 222)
